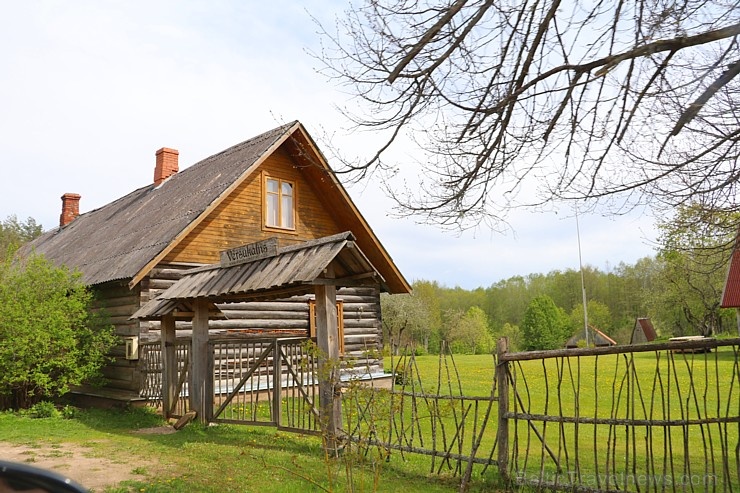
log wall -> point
(116, 303)
(362, 328)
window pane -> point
(287, 189)
(272, 210)
(287, 211)
(272, 185)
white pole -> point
(583, 284)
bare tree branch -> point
(508, 104)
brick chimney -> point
(70, 208)
(166, 164)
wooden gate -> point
(268, 382)
(151, 364)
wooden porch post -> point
(327, 337)
(169, 365)
(201, 393)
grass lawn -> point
(242, 458)
(220, 458)
(639, 386)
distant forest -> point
(679, 290)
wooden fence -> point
(455, 431)
(652, 417)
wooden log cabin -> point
(275, 185)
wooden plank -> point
(117, 311)
(327, 334)
(108, 302)
(155, 284)
(365, 324)
(166, 272)
(299, 305)
(120, 373)
(266, 315)
(269, 324)
(200, 396)
(169, 366)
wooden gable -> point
(323, 208)
(239, 218)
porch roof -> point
(294, 270)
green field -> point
(242, 458)
(683, 408)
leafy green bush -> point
(45, 409)
(48, 339)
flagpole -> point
(583, 284)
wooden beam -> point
(364, 279)
(502, 433)
(169, 366)
(327, 338)
(201, 396)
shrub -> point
(45, 409)
(48, 339)
(545, 325)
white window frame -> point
(279, 202)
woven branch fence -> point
(654, 417)
(645, 418)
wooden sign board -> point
(248, 253)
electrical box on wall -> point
(132, 347)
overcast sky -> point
(89, 90)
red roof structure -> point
(643, 331)
(731, 291)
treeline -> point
(471, 320)
(679, 290)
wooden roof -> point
(125, 239)
(595, 337)
(294, 270)
(646, 326)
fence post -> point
(277, 384)
(502, 433)
(202, 380)
(327, 340)
(169, 366)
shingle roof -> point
(294, 270)
(117, 240)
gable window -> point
(340, 322)
(279, 203)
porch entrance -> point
(315, 267)
(256, 381)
